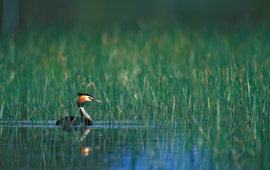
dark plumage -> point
(75, 121)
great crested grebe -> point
(85, 118)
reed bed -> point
(211, 82)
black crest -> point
(86, 94)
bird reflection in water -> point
(86, 150)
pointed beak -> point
(95, 100)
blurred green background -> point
(105, 13)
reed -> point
(210, 82)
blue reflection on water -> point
(159, 149)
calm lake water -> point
(128, 145)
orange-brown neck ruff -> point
(82, 99)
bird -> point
(85, 118)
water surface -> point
(106, 145)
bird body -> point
(73, 120)
(85, 118)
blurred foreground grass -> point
(215, 81)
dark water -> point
(39, 145)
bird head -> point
(84, 97)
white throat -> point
(87, 116)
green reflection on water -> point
(128, 146)
(124, 147)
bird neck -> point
(85, 114)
